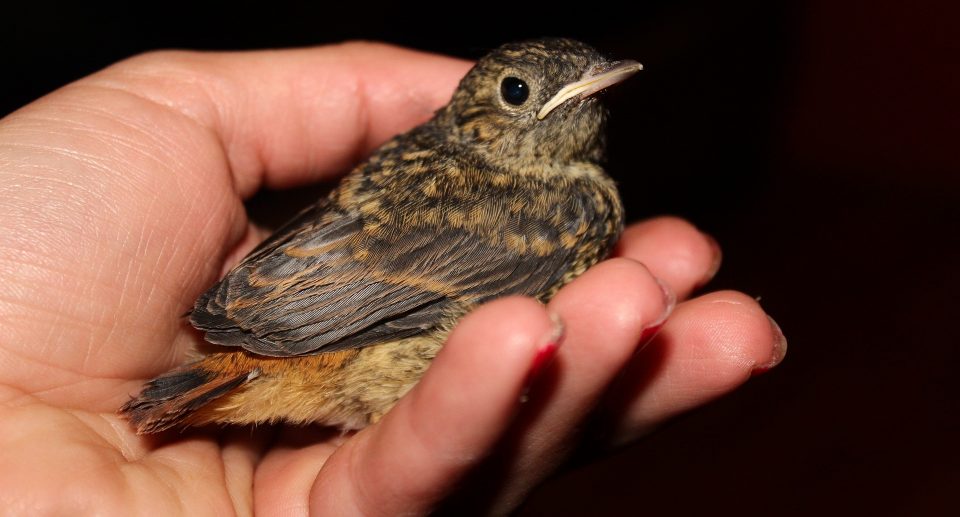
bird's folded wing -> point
(326, 282)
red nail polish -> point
(648, 333)
(544, 356)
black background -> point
(816, 140)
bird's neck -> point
(515, 154)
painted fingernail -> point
(779, 349)
(715, 265)
(669, 302)
(545, 353)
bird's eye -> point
(514, 91)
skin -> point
(121, 200)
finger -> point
(674, 250)
(283, 478)
(287, 117)
(448, 423)
(709, 346)
(606, 311)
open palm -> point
(121, 199)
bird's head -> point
(534, 102)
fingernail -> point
(779, 349)
(545, 353)
(717, 260)
(669, 302)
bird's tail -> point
(170, 399)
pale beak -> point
(597, 79)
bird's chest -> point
(517, 210)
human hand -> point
(121, 199)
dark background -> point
(817, 140)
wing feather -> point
(326, 281)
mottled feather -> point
(342, 277)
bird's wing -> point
(329, 280)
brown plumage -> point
(335, 316)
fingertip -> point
(674, 250)
(736, 331)
(716, 260)
(511, 322)
(619, 298)
(779, 351)
(716, 342)
(710, 345)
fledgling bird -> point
(337, 315)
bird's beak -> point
(598, 78)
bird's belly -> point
(349, 389)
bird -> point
(337, 314)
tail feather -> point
(169, 400)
